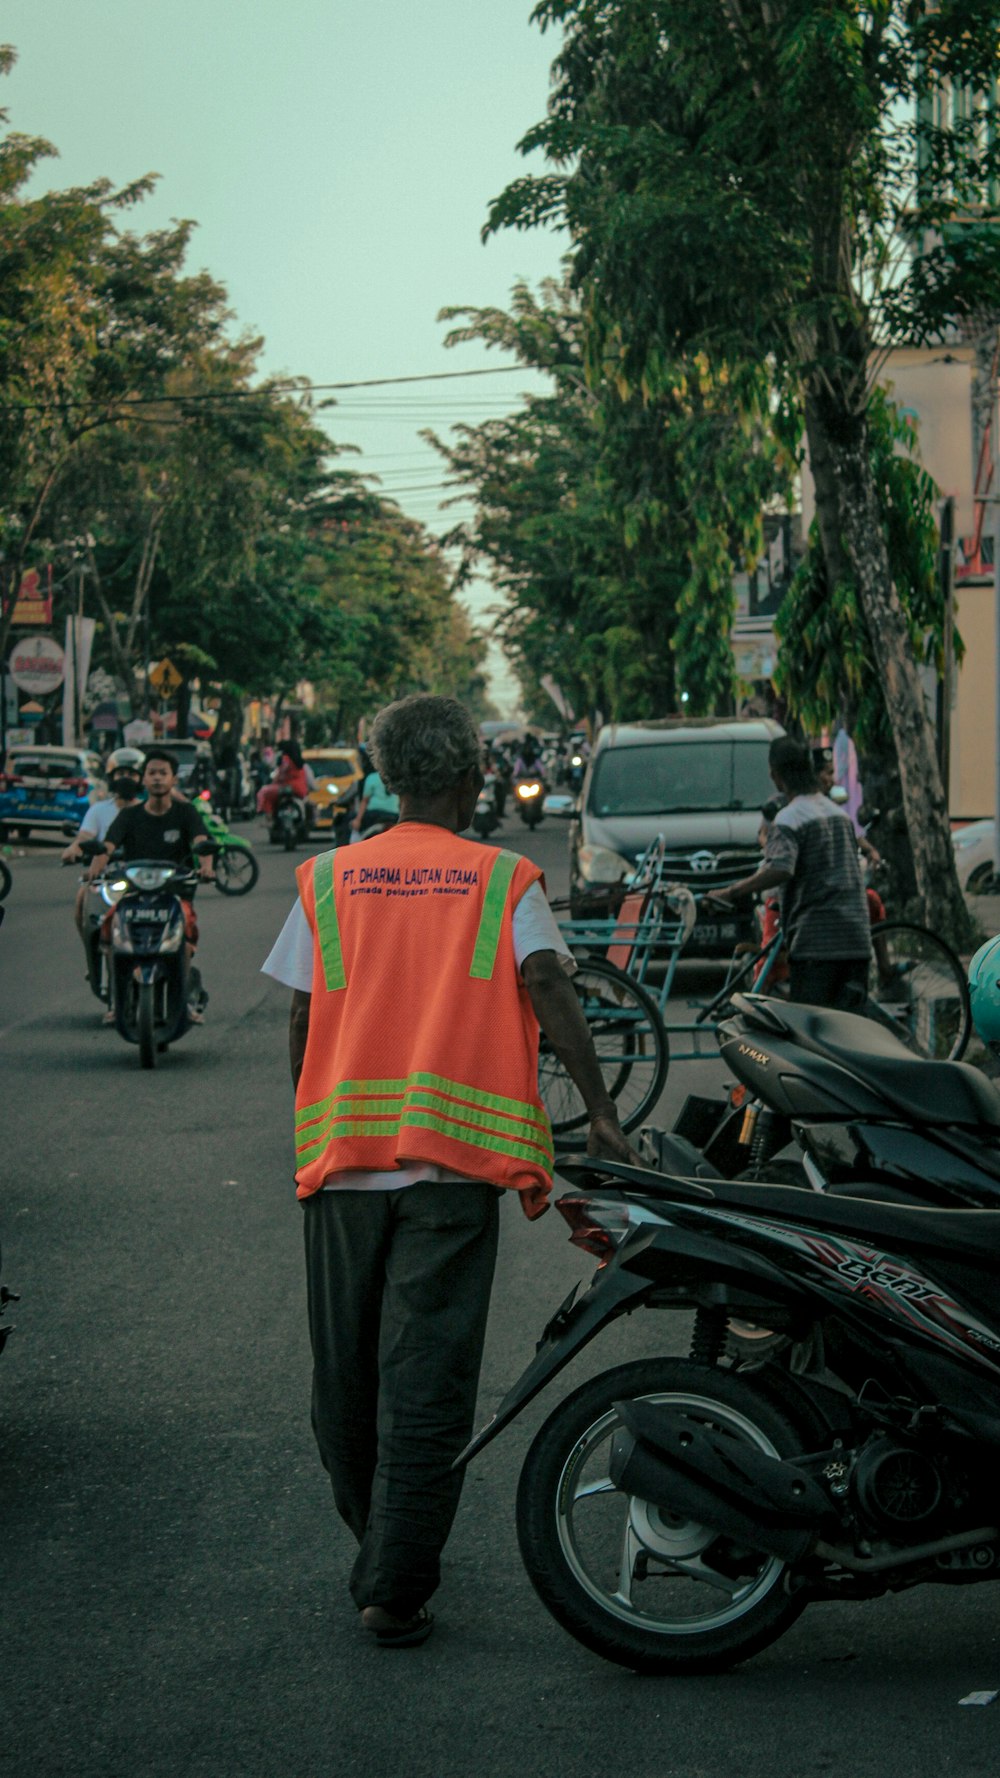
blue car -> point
(47, 787)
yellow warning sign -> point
(165, 677)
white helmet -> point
(125, 759)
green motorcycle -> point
(236, 868)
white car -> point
(974, 855)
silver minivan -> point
(701, 782)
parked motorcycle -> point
(676, 1515)
(529, 795)
(853, 1099)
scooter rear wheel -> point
(146, 1025)
(622, 1575)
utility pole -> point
(948, 644)
(995, 505)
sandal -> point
(394, 1632)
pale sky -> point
(339, 159)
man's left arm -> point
(561, 1017)
(770, 876)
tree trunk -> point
(850, 525)
(229, 727)
(183, 709)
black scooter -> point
(858, 1105)
(676, 1515)
(152, 986)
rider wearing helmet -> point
(984, 990)
(124, 779)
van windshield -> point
(681, 777)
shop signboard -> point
(37, 665)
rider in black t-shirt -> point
(160, 828)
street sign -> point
(165, 677)
(37, 664)
(33, 604)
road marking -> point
(979, 1698)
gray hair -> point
(423, 744)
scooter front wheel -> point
(236, 870)
(146, 1025)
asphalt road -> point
(173, 1574)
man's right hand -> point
(607, 1141)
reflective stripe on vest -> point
(487, 944)
(327, 924)
(491, 919)
(427, 1101)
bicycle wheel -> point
(627, 1030)
(917, 989)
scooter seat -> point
(925, 1092)
(899, 1225)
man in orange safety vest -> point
(422, 966)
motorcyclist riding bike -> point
(124, 779)
(161, 828)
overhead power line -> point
(280, 388)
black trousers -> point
(839, 982)
(398, 1286)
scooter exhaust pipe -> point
(663, 1455)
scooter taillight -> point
(595, 1227)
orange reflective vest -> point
(423, 1044)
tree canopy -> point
(610, 521)
(203, 511)
(780, 183)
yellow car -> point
(338, 773)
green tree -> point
(738, 180)
(825, 655)
(610, 520)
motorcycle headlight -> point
(598, 864)
(149, 876)
(173, 938)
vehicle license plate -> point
(712, 933)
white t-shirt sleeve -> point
(290, 960)
(535, 929)
(97, 820)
